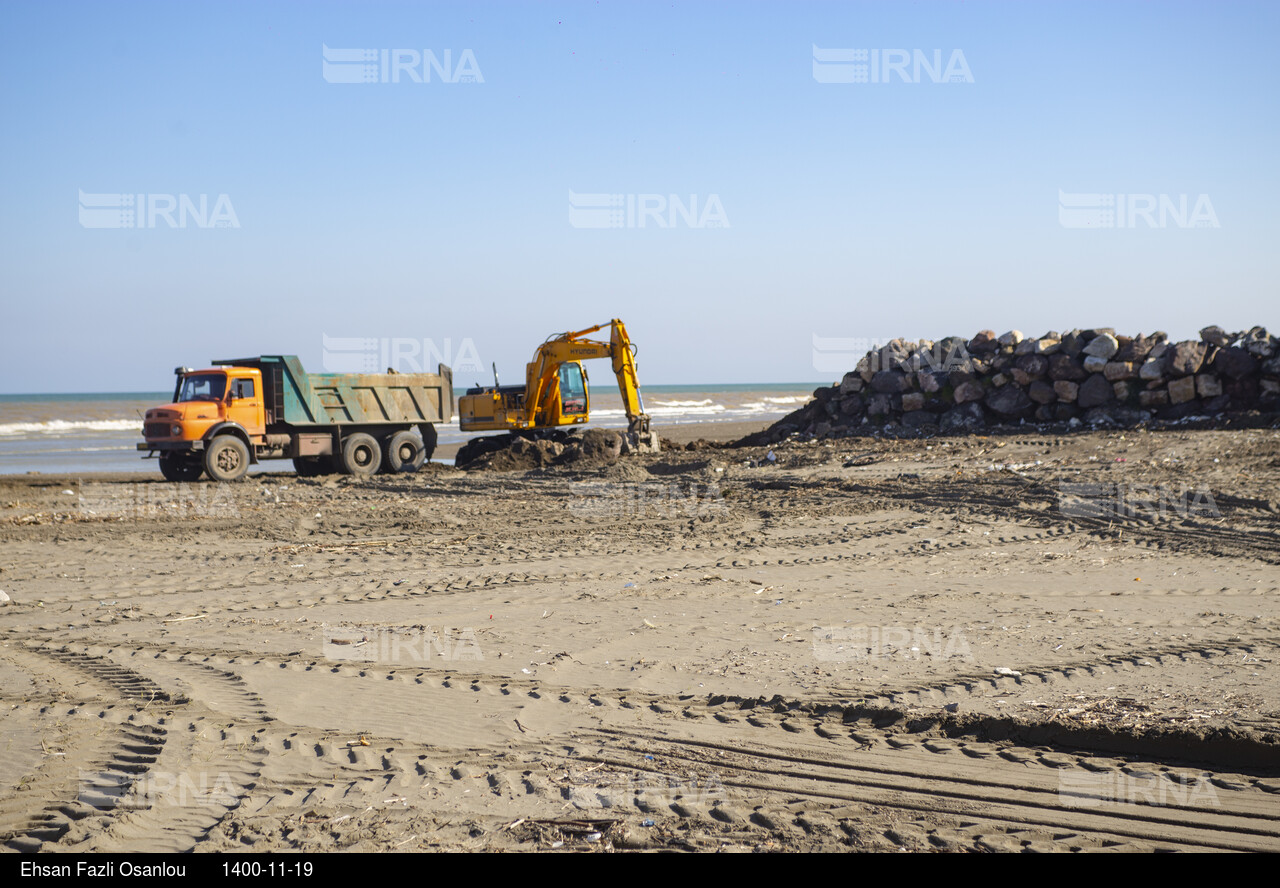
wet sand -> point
(1004, 642)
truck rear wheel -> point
(405, 453)
(179, 467)
(226, 458)
(312, 466)
(361, 455)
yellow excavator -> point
(555, 392)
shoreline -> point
(680, 433)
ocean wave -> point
(711, 408)
(706, 402)
(63, 426)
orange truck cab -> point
(207, 403)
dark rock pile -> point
(1083, 377)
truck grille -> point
(156, 430)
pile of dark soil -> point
(516, 452)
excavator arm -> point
(624, 368)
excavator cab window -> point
(573, 390)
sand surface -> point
(930, 645)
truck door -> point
(244, 403)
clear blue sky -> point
(441, 210)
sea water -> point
(97, 432)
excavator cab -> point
(573, 390)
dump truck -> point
(240, 412)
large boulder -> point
(1104, 346)
(1182, 390)
(1233, 362)
(967, 417)
(1042, 392)
(890, 382)
(984, 343)
(1215, 336)
(1063, 366)
(1008, 400)
(1259, 342)
(1095, 391)
(969, 392)
(1185, 358)
(1115, 370)
(1066, 390)
(1138, 348)
(1033, 365)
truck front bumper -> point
(171, 445)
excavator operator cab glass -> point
(573, 390)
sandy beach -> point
(1000, 642)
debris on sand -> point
(516, 452)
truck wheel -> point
(312, 466)
(361, 455)
(180, 467)
(404, 453)
(226, 459)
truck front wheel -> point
(405, 453)
(361, 455)
(180, 467)
(226, 459)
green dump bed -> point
(297, 398)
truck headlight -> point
(175, 430)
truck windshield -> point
(204, 387)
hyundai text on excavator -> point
(555, 393)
